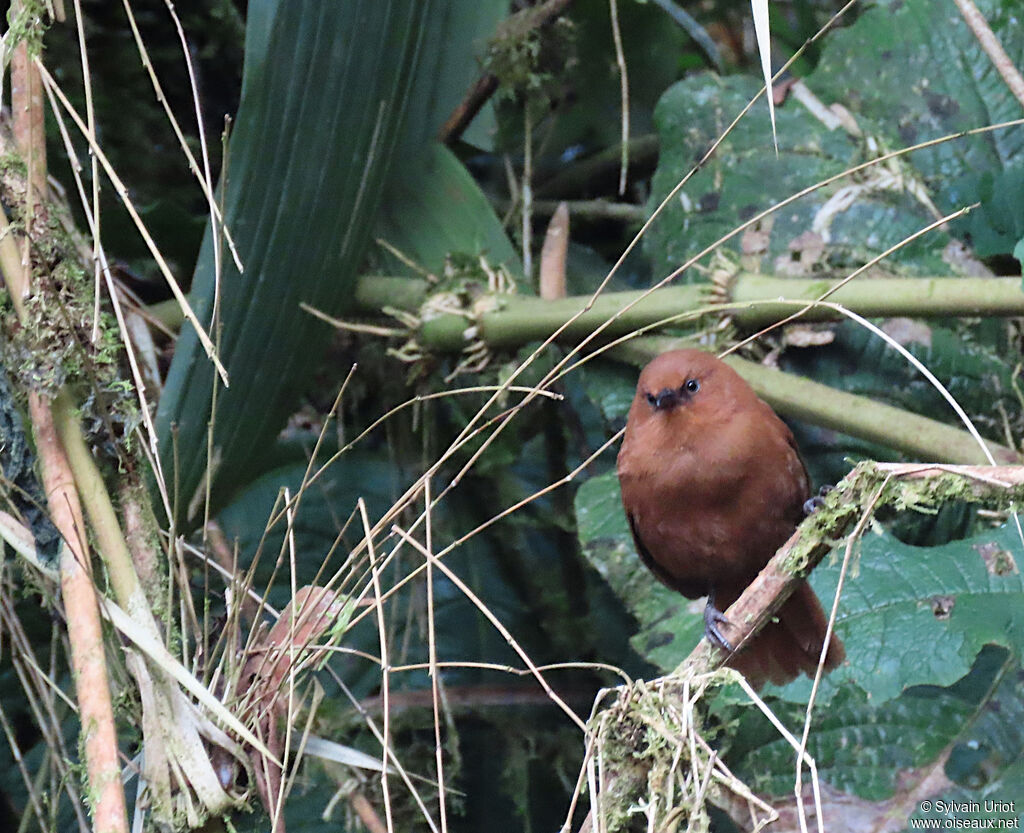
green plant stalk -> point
(800, 398)
(936, 297)
(518, 320)
(100, 509)
(510, 320)
(375, 293)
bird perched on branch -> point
(713, 485)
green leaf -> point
(587, 114)
(987, 763)
(930, 77)
(433, 208)
(319, 119)
(743, 179)
(858, 747)
(611, 386)
(922, 86)
(458, 34)
(953, 598)
(878, 750)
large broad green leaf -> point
(954, 598)
(745, 177)
(325, 89)
(908, 72)
(457, 36)
(434, 208)
(858, 747)
(917, 71)
(881, 752)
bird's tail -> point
(791, 645)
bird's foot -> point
(813, 504)
(713, 617)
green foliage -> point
(859, 747)
(872, 750)
(333, 146)
(410, 221)
(954, 598)
(455, 38)
(27, 24)
(929, 78)
(308, 164)
(529, 61)
(921, 88)
(586, 113)
(744, 178)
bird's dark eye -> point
(652, 399)
(691, 386)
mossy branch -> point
(54, 313)
(85, 632)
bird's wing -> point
(688, 589)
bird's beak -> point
(665, 398)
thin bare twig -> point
(620, 59)
(385, 670)
(993, 48)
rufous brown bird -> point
(713, 485)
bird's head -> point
(679, 380)
(684, 397)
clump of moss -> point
(27, 23)
(531, 61)
(54, 347)
(651, 743)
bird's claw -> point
(713, 617)
(813, 504)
